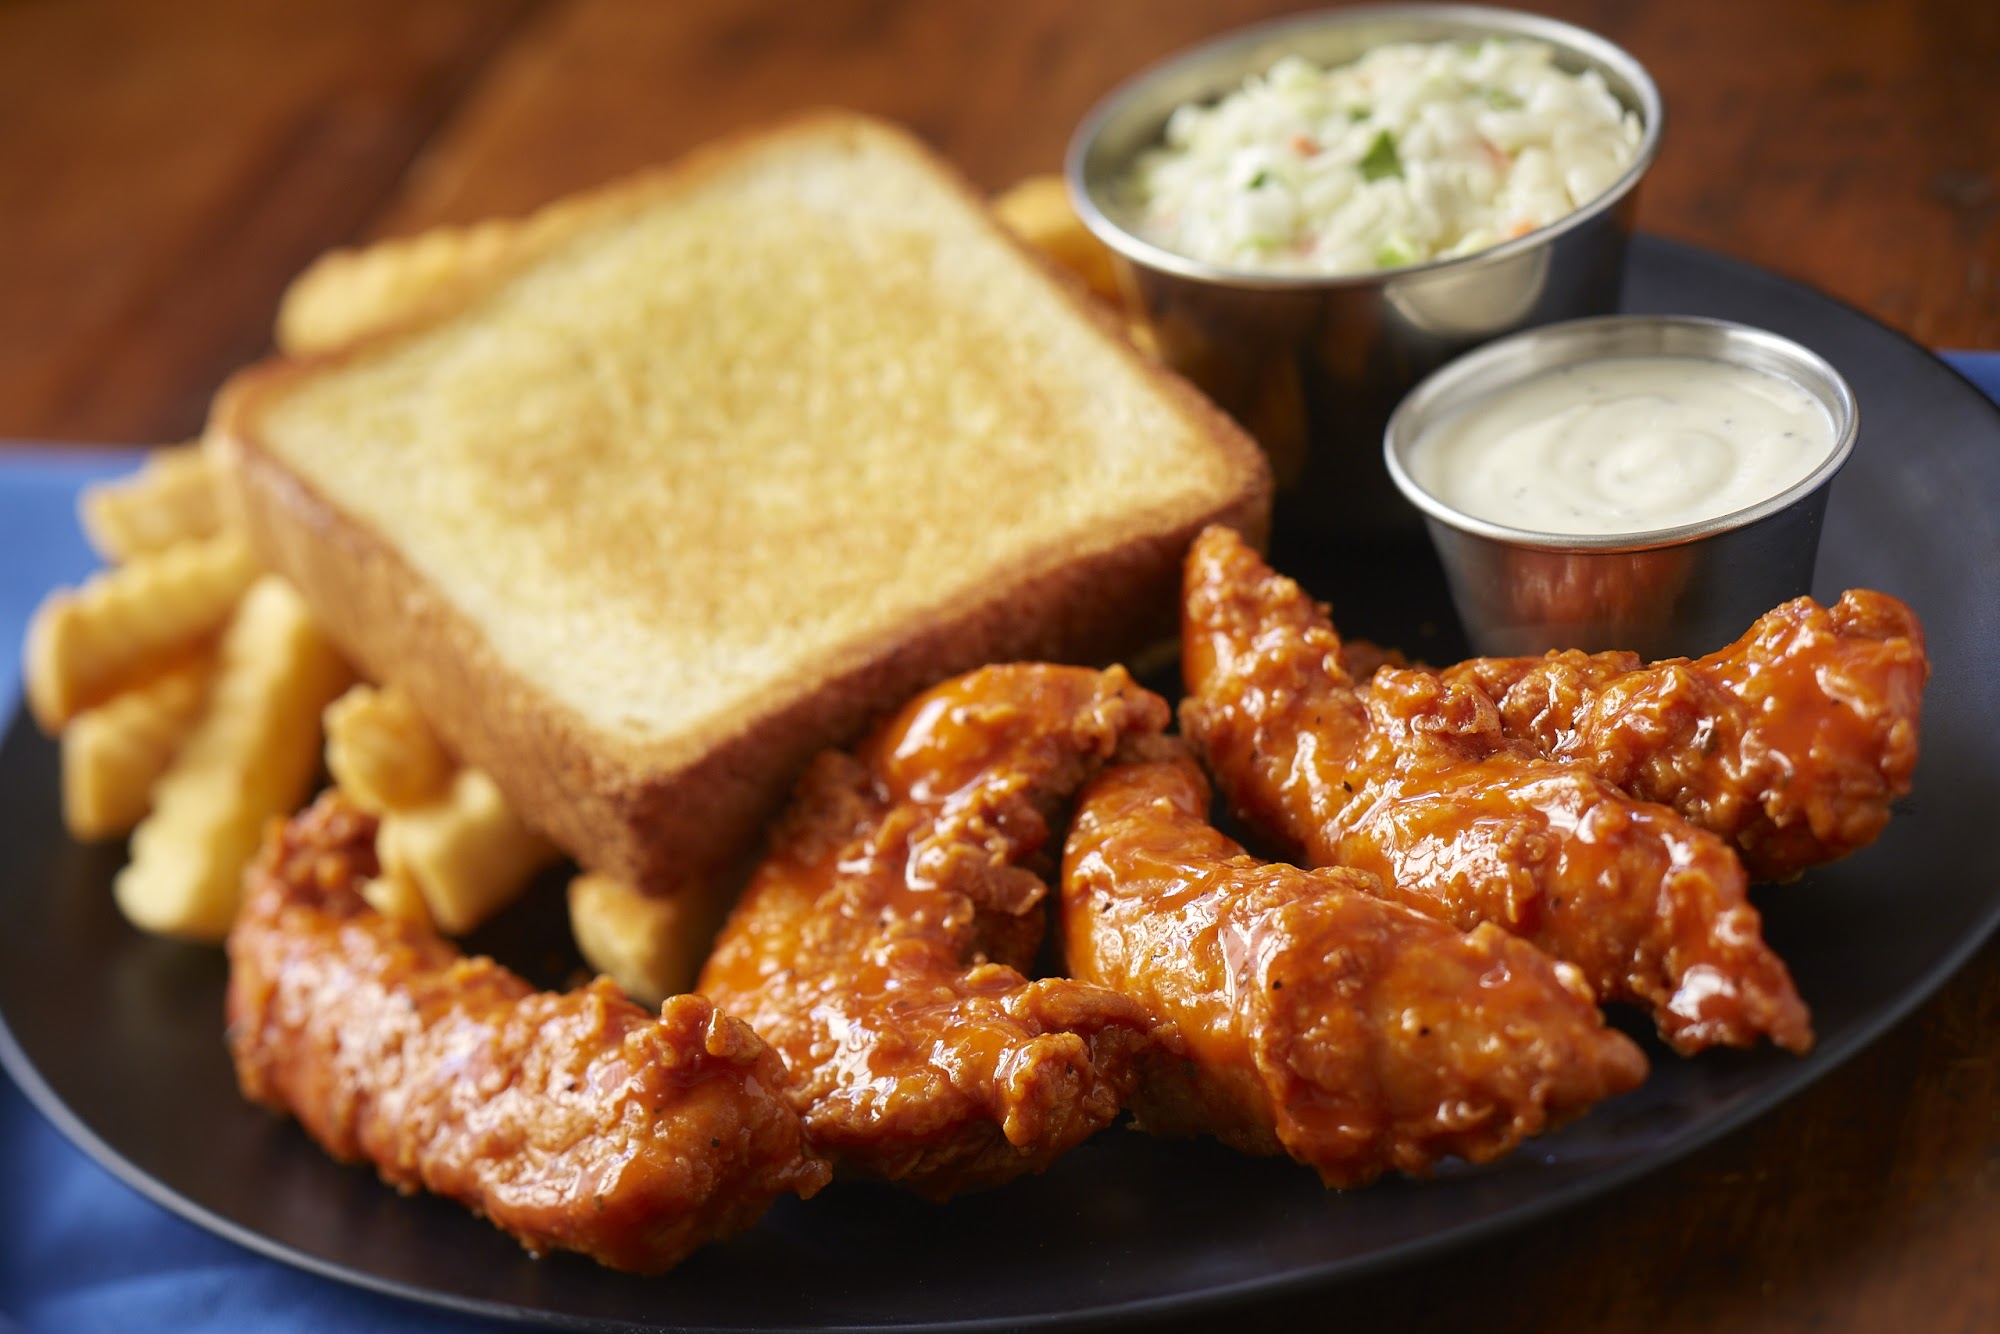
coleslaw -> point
(1416, 151)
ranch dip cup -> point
(1652, 483)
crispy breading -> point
(881, 946)
(1411, 778)
(1316, 1019)
(573, 1121)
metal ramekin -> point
(1669, 592)
(1313, 365)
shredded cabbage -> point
(1414, 152)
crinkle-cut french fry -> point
(252, 757)
(466, 853)
(452, 851)
(382, 753)
(1143, 337)
(129, 624)
(113, 754)
(652, 945)
(348, 293)
(394, 896)
(174, 498)
(1038, 211)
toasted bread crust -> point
(656, 813)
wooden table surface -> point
(164, 169)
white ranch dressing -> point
(1624, 445)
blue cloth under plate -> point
(80, 1250)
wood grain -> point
(164, 169)
(1853, 146)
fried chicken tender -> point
(573, 1121)
(881, 946)
(1411, 778)
(1790, 743)
(1354, 1034)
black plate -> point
(117, 1037)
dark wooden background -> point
(166, 168)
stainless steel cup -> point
(1313, 365)
(1670, 592)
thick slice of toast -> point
(727, 459)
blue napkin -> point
(1982, 368)
(80, 1250)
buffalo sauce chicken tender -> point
(882, 946)
(573, 1121)
(1354, 1034)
